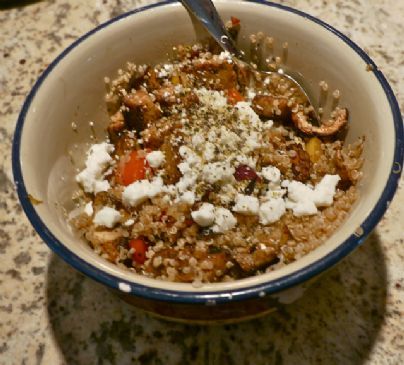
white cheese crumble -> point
(98, 160)
(271, 173)
(245, 112)
(215, 99)
(107, 217)
(188, 197)
(221, 218)
(190, 156)
(209, 152)
(218, 171)
(129, 222)
(300, 199)
(141, 190)
(325, 190)
(227, 194)
(155, 159)
(88, 209)
(205, 215)
(271, 210)
(246, 204)
(224, 220)
(247, 160)
(228, 137)
(197, 140)
(187, 181)
(304, 200)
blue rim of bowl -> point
(223, 296)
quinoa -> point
(208, 175)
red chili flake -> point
(244, 172)
(234, 21)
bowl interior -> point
(74, 89)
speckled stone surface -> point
(50, 314)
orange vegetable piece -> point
(132, 168)
(234, 96)
(140, 247)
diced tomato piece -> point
(132, 168)
(140, 247)
(234, 96)
(234, 21)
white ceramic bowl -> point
(72, 90)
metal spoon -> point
(206, 13)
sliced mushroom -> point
(116, 126)
(256, 260)
(142, 110)
(269, 106)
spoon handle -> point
(207, 14)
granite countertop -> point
(51, 314)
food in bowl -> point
(211, 173)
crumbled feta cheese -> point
(227, 194)
(245, 112)
(197, 140)
(209, 152)
(252, 141)
(141, 190)
(211, 98)
(224, 220)
(212, 136)
(285, 183)
(325, 190)
(275, 191)
(205, 215)
(271, 173)
(246, 204)
(247, 160)
(88, 209)
(228, 137)
(187, 181)
(155, 159)
(107, 217)
(98, 160)
(304, 200)
(218, 171)
(188, 197)
(184, 168)
(271, 210)
(189, 156)
(300, 199)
